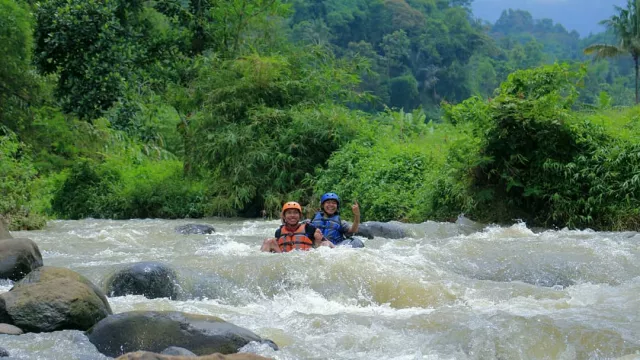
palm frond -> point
(602, 51)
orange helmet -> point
(291, 205)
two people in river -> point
(325, 229)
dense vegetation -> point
(175, 108)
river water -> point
(446, 292)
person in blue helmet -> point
(332, 226)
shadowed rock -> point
(389, 230)
(156, 330)
(189, 229)
(51, 299)
(3, 352)
(18, 257)
(151, 279)
(145, 355)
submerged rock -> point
(177, 351)
(3, 352)
(354, 242)
(51, 299)
(189, 229)
(156, 330)
(151, 279)
(145, 355)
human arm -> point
(355, 208)
(320, 240)
(270, 245)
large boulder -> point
(389, 230)
(151, 279)
(156, 330)
(145, 355)
(18, 257)
(189, 229)
(51, 299)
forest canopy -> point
(183, 108)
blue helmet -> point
(330, 196)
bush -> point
(266, 124)
(84, 191)
(544, 163)
(17, 174)
(159, 190)
(402, 174)
(116, 190)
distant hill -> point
(580, 15)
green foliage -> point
(90, 47)
(157, 190)
(267, 123)
(17, 174)
(404, 92)
(238, 26)
(423, 44)
(19, 86)
(403, 174)
(545, 164)
(86, 187)
(626, 26)
(57, 140)
(119, 190)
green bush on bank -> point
(405, 172)
(17, 174)
(546, 164)
(117, 190)
(266, 123)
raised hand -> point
(355, 208)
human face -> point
(330, 207)
(291, 217)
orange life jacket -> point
(298, 239)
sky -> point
(580, 15)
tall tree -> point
(18, 84)
(626, 26)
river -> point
(445, 292)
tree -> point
(626, 26)
(18, 84)
(90, 47)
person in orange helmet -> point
(293, 235)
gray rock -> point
(389, 230)
(50, 299)
(156, 330)
(177, 351)
(18, 257)
(151, 279)
(195, 229)
(3, 352)
(9, 329)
